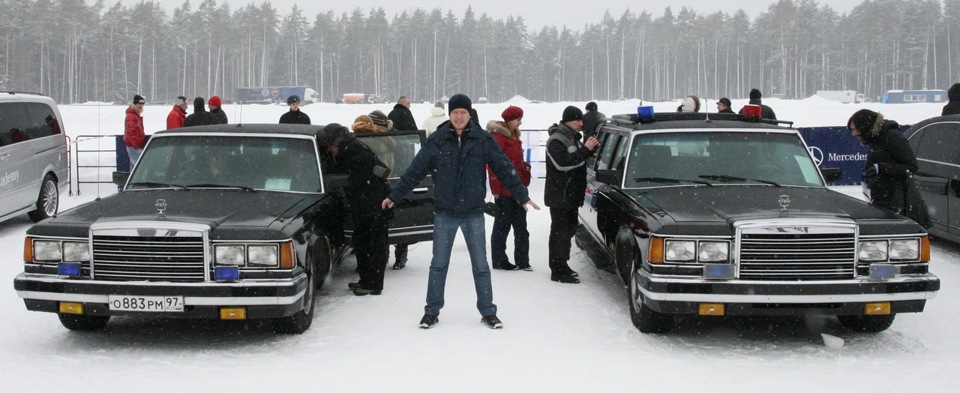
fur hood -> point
(497, 127)
(438, 112)
(364, 123)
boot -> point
(400, 252)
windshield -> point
(243, 162)
(718, 158)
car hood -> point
(213, 207)
(733, 203)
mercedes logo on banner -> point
(817, 155)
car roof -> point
(933, 120)
(249, 128)
(688, 120)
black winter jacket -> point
(896, 162)
(591, 122)
(459, 169)
(566, 168)
(294, 117)
(765, 111)
(219, 116)
(366, 180)
(402, 118)
(952, 107)
(199, 117)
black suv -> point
(713, 215)
(225, 222)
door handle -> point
(420, 190)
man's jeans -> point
(444, 232)
(134, 155)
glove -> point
(872, 170)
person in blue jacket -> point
(457, 156)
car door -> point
(936, 179)
(18, 169)
(591, 213)
(413, 217)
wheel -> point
(643, 318)
(867, 323)
(324, 266)
(48, 201)
(301, 320)
(83, 323)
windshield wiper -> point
(152, 184)
(735, 178)
(669, 180)
(212, 185)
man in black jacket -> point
(565, 187)
(765, 111)
(592, 120)
(952, 107)
(200, 116)
(401, 116)
(365, 190)
(294, 115)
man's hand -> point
(386, 204)
(591, 143)
(529, 204)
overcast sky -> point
(536, 13)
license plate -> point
(146, 303)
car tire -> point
(302, 319)
(48, 201)
(867, 323)
(83, 323)
(645, 319)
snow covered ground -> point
(556, 337)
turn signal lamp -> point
(233, 313)
(882, 308)
(71, 308)
(925, 249)
(70, 269)
(711, 309)
(287, 260)
(226, 273)
(656, 250)
(27, 249)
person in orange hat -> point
(511, 212)
(214, 103)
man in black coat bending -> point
(401, 116)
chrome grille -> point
(798, 253)
(176, 256)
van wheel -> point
(83, 323)
(48, 201)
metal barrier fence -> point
(99, 166)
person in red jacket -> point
(133, 135)
(178, 114)
(511, 212)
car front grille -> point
(801, 253)
(175, 256)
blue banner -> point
(835, 147)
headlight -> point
(47, 251)
(714, 252)
(873, 251)
(76, 252)
(265, 256)
(228, 255)
(681, 250)
(904, 250)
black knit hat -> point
(138, 99)
(755, 94)
(459, 101)
(571, 113)
(591, 106)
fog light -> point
(881, 271)
(71, 308)
(68, 269)
(233, 313)
(717, 271)
(713, 309)
(877, 308)
(226, 273)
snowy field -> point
(563, 338)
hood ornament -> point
(784, 201)
(161, 205)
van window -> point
(43, 122)
(14, 123)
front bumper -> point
(262, 298)
(673, 295)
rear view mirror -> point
(120, 178)
(610, 177)
(831, 175)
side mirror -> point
(120, 178)
(610, 177)
(831, 175)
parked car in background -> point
(938, 177)
(710, 215)
(228, 222)
(34, 165)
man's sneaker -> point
(354, 285)
(400, 264)
(428, 321)
(565, 278)
(492, 322)
(505, 266)
(359, 291)
(527, 268)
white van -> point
(33, 156)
